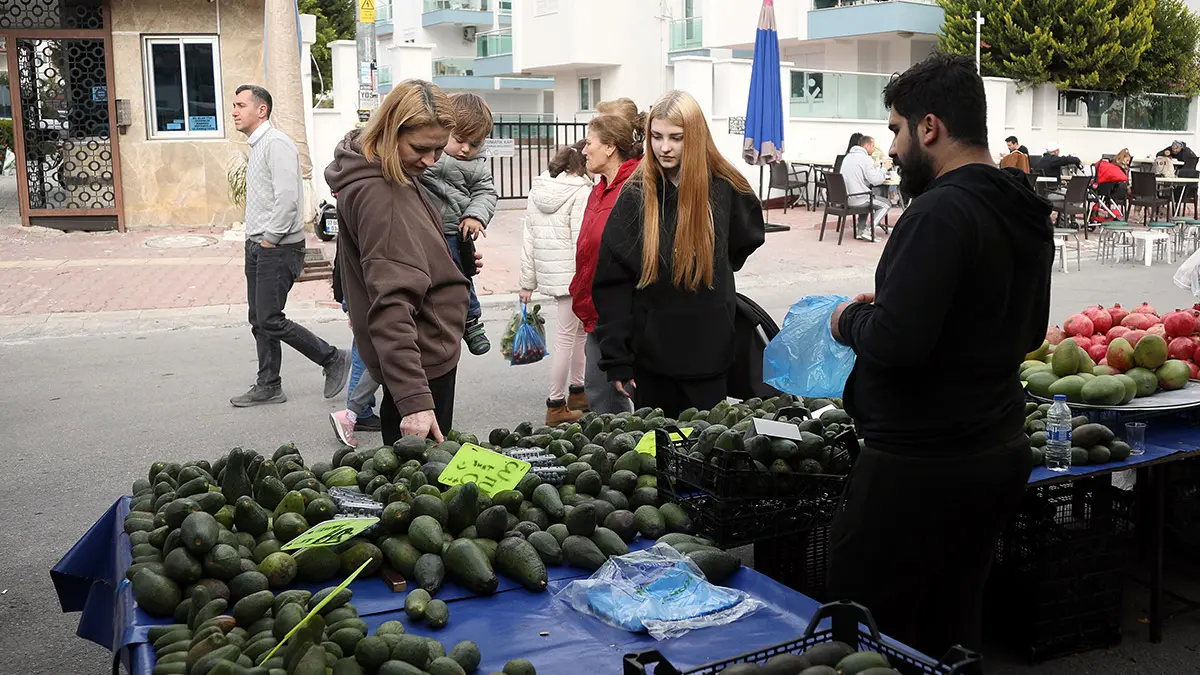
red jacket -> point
(1107, 172)
(587, 249)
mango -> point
(1120, 354)
(1067, 358)
(1151, 352)
(1071, 386)
(1103, 390)
(1147, 381)
(1172, 374)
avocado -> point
(466, 655)
(858, 662)
(425, 532)
(1119, 451)
(222, 562)
(155, 593)
(400, 553)
(279, 569)
(415, 603)
(371, 652)
(252, 607)
(582, 553)
(624, 523)
(249, 517)
(429, 573)
(289, 525)
(469, 566)
(546, 498)
(676, 518)
(353, 558)
(235, 484)
(519, 667)
(182, 567)
(1099, 454)
(463, 507)
(1089, 435)
(492, 522)
(1079, 456)
(609, 542)
(425, 505)
(828, 653)
(316, 564)
(650, 522)
(581, 520)
(717, 565)
(437, 614)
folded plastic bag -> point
(658, 591)
(1188, 274)
(804, 359)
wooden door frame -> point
(104, 34)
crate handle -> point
(792, 411)
(847, 442)
(635, 664)
(962, 661)
(846, 616)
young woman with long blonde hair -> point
(664, 288)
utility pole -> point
(979, 21)
(368, 97)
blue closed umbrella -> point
(764, 110)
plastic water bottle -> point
(1058, 435)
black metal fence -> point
(534, 145)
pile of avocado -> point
(826, 658)
(1091, 443)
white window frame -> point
(593, 86)
(148, 42)
(1065, 103)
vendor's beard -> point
(916, 171)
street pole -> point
(978, 38)
(365, 42)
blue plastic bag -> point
(804, 359)
(529, 344)
(657, 591)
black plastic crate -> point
(849, 623)
(799, 562)
(1183, 509)
(1057, 584)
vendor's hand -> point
(266, 244)
(627, 387)
(525, 295)
(836, 319)
(868, 298)
(471, 227)
(478, 262)
(421, 424)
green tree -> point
(1172, 63)
(1079, 44)
(336, 20)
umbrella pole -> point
(768, 226)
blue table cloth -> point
(1162, 440)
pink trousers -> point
(568, 355)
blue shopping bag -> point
(804, 359)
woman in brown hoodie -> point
(407, 298)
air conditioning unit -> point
(469, 34)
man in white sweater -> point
(861, 174)
(275, 253)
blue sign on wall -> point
(202, 123)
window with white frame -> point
(183, 87)
(589, 93)
(1068, 105)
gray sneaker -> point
(259, 396)
(337, 373)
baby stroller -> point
(1106, 199)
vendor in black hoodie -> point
(962, 293)
(683, 224)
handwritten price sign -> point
(490, 471)
(647, 444)
(330, 532)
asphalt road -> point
(84, 416)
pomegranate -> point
(1181, 348)
(1101, 319)
(1159, 330)
(1103, 362)
(1196, 341)
(1138, 321)
(1084, 342)
(1194, 368)
(1197, 319)
(1133, 336)
(1144, 308)
(1117, 312)
(1078, 325)
(1098, 352)
(1116, 332)
(1099, 339)
(1055, 335)
(1179, 323)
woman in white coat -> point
(557, 200)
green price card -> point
(330, 532)
(315, 610)
(648, 446)
(490, 471)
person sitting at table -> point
(854, 139)
(1052, 161)
(1112, 179)
(1015, 146)
(1180, 151)
(861, 176)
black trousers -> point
(442, 389)
(675, 395)
(270, 273)
(915, 540)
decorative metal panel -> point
(43, 14)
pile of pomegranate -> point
(1096, 326)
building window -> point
(589, 93)
(183, 92)
(1068, 105)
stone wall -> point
(182, 182)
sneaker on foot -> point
(371, 423)
(259, 396)
(476, 339)
(343, 428)
(337, 373)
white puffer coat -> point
(552, 221)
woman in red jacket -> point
(612, 154)
(1111, 179)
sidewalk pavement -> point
(60, 283)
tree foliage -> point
(1075, 44)
(336, 20)
(1172, 63)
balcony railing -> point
(837, 95)
(467, 5)
(498, 43)
(687, 34)
(453, 67)
(1140, 112)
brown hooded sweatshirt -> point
(407, 298)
